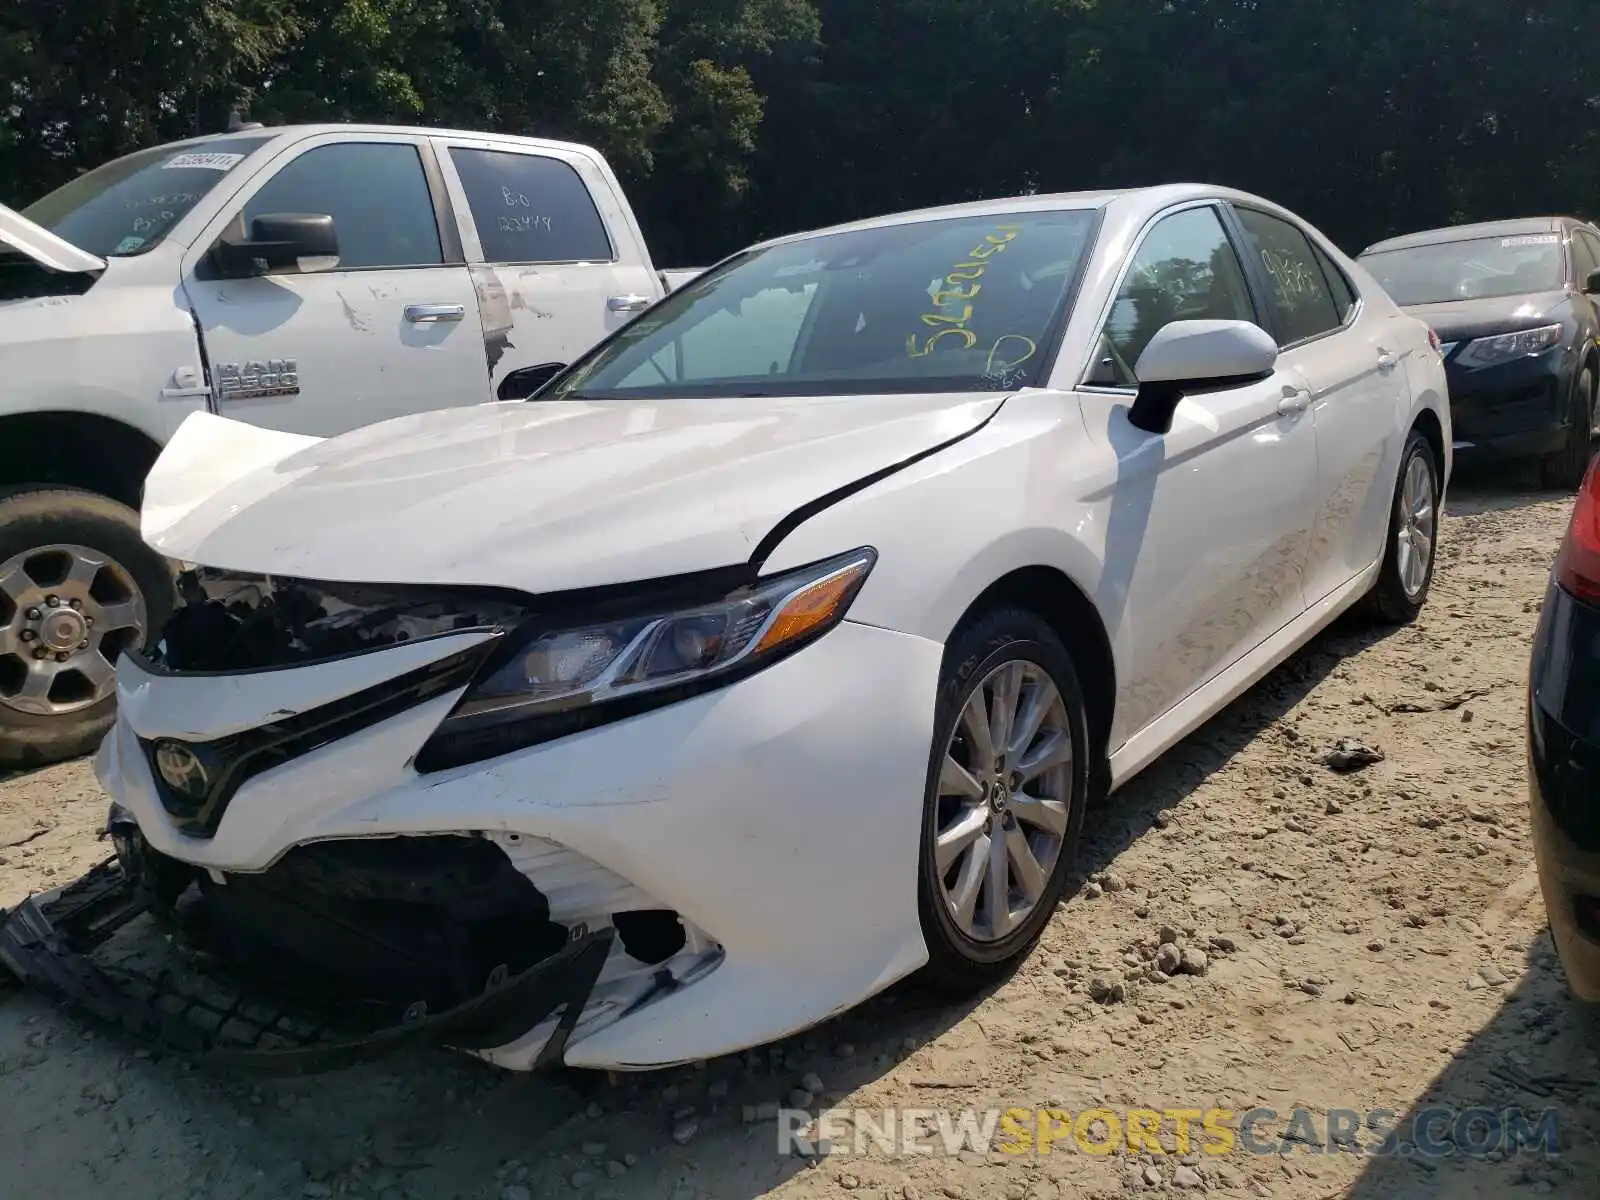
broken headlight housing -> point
(559, 678)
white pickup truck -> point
(309, 279)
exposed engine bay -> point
(232, 622)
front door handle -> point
(429, 314)
(1295, 400)
(633, 302)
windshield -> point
(128, 205)
(1471, 270)
(955, 304)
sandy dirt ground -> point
(1374, 940)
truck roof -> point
(310, 130)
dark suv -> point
(1514, 303)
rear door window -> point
(1302, 304)
(530, 208)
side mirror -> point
(1591, 285)
(281, 243)
(522, 384)
(1186, 356)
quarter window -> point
(1301, 303)
(1185, 270)
(531, 209)
(376, 194)
(1344, 293)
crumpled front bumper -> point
(65, 945)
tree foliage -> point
(735, 119)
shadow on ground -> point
(1537, 1055)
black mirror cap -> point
(1156, 403)
(1591, 285)
(279, 242)
(1154, 406)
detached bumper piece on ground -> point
(192, 974)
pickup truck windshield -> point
(127, 205)
(951, 304)
(1476, 269)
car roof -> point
(1151, 199)
(1482, 229)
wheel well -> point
(1427, 424)
(82, 450)
(1054, 597)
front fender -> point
(949, 527)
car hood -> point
(1459, 320)
(539, 497)
(44, 247)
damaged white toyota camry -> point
(772, 653)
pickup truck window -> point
(376, 194)
(530, 209)
(937, 305)
(127, 205)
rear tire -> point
(1008, 662)
(1564, 470)
(42, 531)
(1402, 588)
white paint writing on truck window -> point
(523, 224)
(202, 162)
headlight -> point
(1485, 352)
(561, 679)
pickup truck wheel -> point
(78, 586)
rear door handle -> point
(1386, 361)
(430, 314)
(632, 302)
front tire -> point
(1008, 781)
(78, 586)
(1413, 538)
(1564, 470)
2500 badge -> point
(258, 380)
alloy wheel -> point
(1005, 791)
(66, 613)
(1414, 539)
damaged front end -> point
(344, 947)
(343, 952)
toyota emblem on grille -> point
(182, 769)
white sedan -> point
(776, 650)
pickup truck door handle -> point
(629, 303)
(1294, 400)
(429, 314)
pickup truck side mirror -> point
(281, 243)
(523, 383)
(1591, 285)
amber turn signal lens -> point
(813, 606)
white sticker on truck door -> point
(202, 162)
